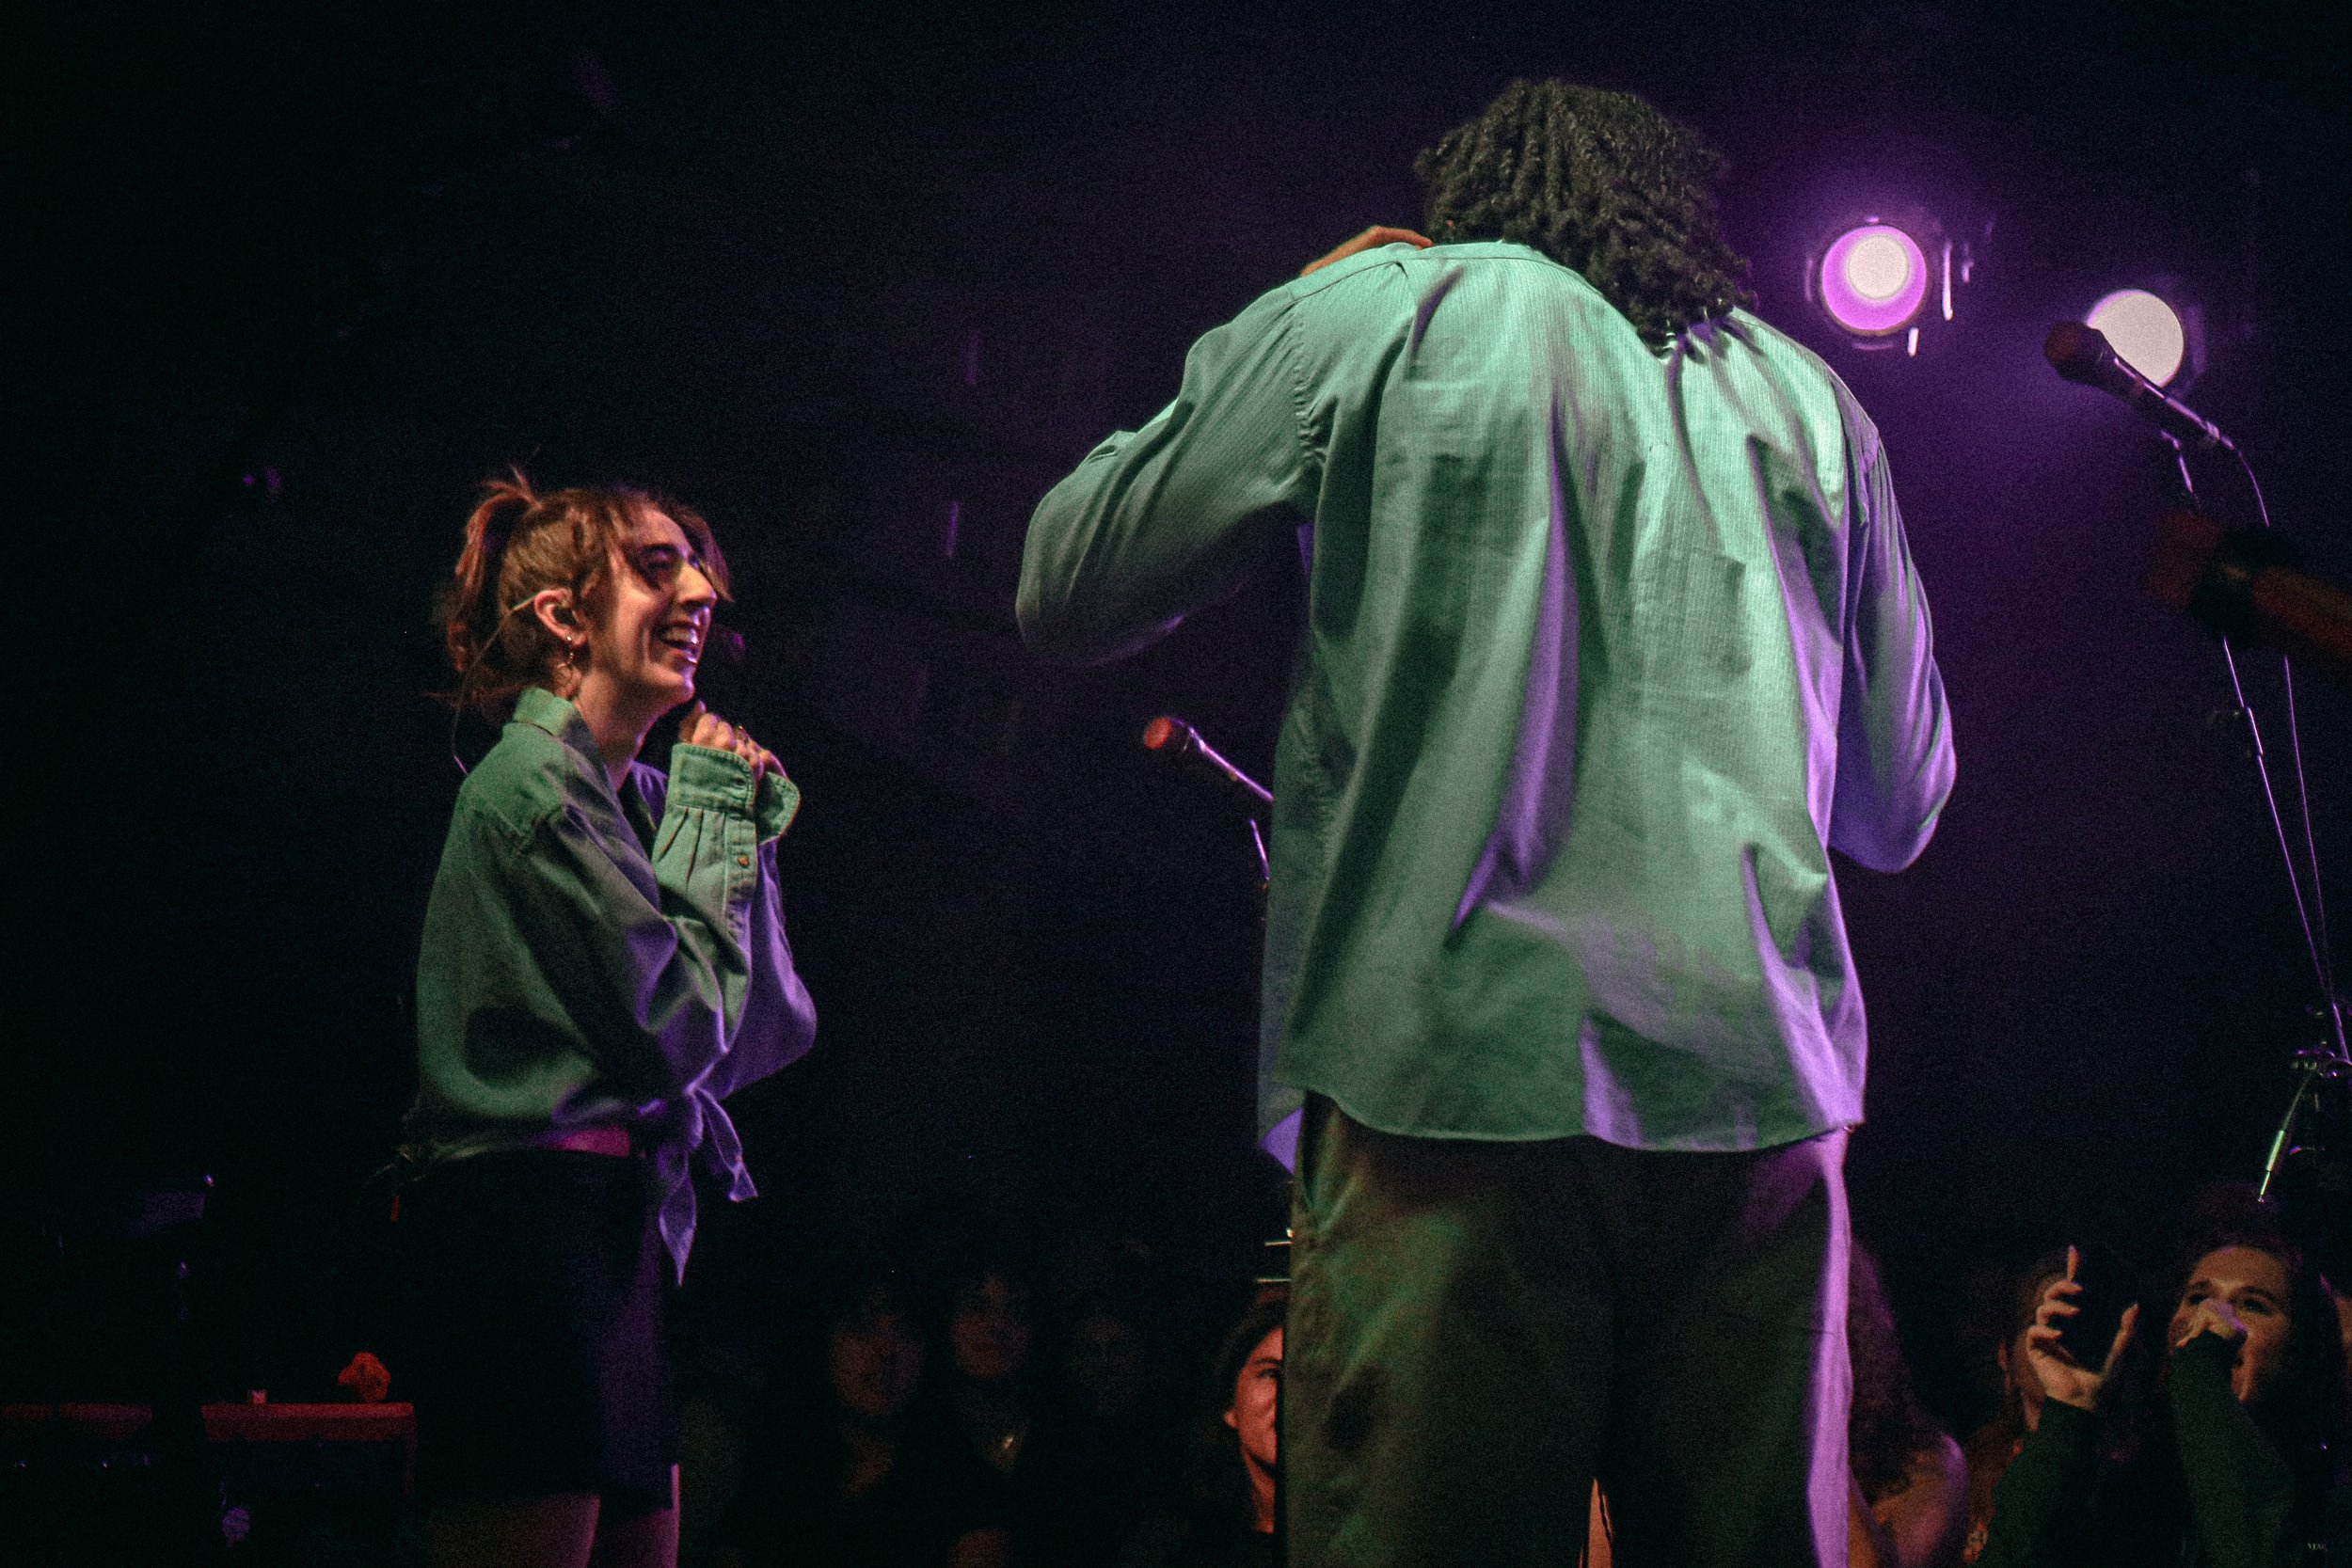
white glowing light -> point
(1878, 266)
(1873, 280)
(2143, 331)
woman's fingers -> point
(2122, 1338)
(1378, 235)
(2044, 1342)
(702, 727)
(2214, 1317)
(2055, 1306)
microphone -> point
(2083, 355)
(1171, 736)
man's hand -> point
(1378, 235)
(2063, 1378)
(702, 727)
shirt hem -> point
(1777, 1137)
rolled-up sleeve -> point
(1158, 522)
(654, 966)
(1895, 762)
(779, 1021)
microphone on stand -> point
(2083, 355)
(1171, 736)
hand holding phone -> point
(2065, 1376)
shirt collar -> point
(1488, 247)
(543, 709)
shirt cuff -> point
(779, 803)
(714, 780)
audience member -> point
(1909, 1507)
(1992, 1446)
(991, 1397)
(843, 1477)
(2222, 1445)
(1112, 1428)
(1228, 1521)
(1106, 1363)
(986, 1389)
(1908, 1489)
(2216, 1440)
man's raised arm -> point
(1158, 522)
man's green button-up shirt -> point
(1605, 649)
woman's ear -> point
(552, 606)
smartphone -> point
(2109, 1287)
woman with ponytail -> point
(604, 961)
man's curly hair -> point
(1599, 182)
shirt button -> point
(743, 860)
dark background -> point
(294, 280)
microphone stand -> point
(2331, 1062)
(1189, 746)
(1171, 736)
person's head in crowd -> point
(1107, 1360)
(2237, 1272)
(873, 1354)
(2236, 1261)
(2020, 1391)
(1248, 1375)
(2254, 1283)
(844, 1474)
(991, 1330)
(1888, 1429)
(2004, 1318)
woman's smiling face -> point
(646, 646)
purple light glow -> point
(2144, 331)
(1873, 280)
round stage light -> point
(2143, 330)
(1873, 280)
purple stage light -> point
(2143, 330)
(1873, 280)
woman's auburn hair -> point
(519, 543)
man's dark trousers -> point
(1479, 1330)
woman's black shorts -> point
(535, 1345)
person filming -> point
(2214, 1437)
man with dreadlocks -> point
(1612, 635)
